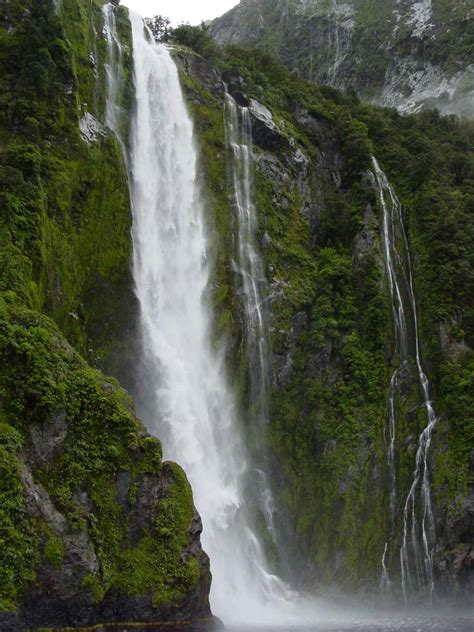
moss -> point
(19, 552)
(42, 375)
(66, 232)
(156, 565)
(54, 551)
(290, 253)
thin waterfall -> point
(337, 44)
(94, 58)
(252, 288)
(413, 557)
(113, 74)
(385, 583)
(392, 264)
(186, 399)
(249, 263)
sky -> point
(192, 11)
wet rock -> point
(265, 132)
(47, 439)
(59, 596)
(91, 129)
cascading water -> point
(252, 286)
(249, 263)
(188, 402)
(94, 58)
(392, 260)
(113, 74)
(410, 553)
(337, 44)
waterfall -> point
(392, 263)
(185, 398)
(113, 74)
(385, 583)
(252, 287)
(399, 274)
(337, 42)
(391, 257)
(249, 263)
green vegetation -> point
(65, 229)
(41, 375)
(156, 563)
(328, 415)
(196, 38)
(18, 542)
(65, 252)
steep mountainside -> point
(328, 307)
(410, 54)
(94, 528)
(368, 431)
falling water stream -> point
(189, 403)
(249, 263)
(337, 45)
(416, 558)
(392, 264)
(253, 292)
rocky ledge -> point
(95, 530)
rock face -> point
(102, 531)
(331, 327)
(408, 54)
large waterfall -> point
(185, 398)
(418, 534)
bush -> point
(195, 37)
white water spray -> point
(410, 553)
(189, 404)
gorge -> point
(292, 316)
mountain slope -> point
(410, 54)
(330, 320)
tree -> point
(196, 37)
(160, 27)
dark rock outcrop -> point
(107, 533)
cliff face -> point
(330, 317)
(408, 54)
(94, 528)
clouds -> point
(191, 11)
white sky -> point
(192, 11)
